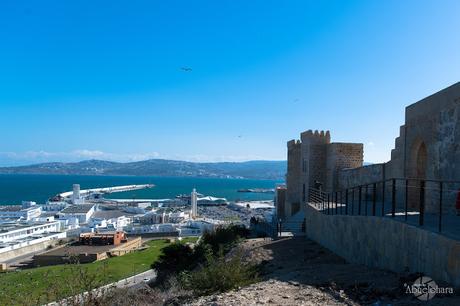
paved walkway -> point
(298, 271)
(450, 224)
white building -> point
(17, 231)
(54, 206)
(21, 238)
(208, 200)
(115, 223)
(203, 225)
(119, 223)
(17, 212)
(155, 217)
(45, 218)
(146, 229)
(82, 212)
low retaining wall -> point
(387, 244)
(130, 246)
(30, 246)
(154, 235)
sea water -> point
(15, 188)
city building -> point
(27, 211)
(152, 230)
(208, 200)
(20, 238)
(82, 212)
(155, 217)
(103, 238)
(54, 206)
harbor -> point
(66, 217)
(97, 192)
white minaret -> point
(193, 201)
(76, 193)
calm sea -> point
(15, 188)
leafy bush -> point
(176, 257)
(179, 259)
(219, 275)
(224, 237)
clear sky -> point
(103, 79)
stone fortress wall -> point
(293, 179)
(314, 159)
(342, 156)
(428, 147)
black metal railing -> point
(421, 202)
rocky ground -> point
(297, 271)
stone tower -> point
(314, 162)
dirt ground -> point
(298, 271)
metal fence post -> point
(407, 199)
(374, 198)
(352, 201)
(365, 198)
(383, 198)
(359, 200)
(393, 199)
(336, 203)
(422, 202)
(440, 206)
(341, 202)
(322, 201)
(346, 201)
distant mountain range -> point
(159, 167)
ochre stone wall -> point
(428, 147)
(314, 159)
(342, 156)
(293, 177)
(348, 178)
(387, 244)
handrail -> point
(364, 198)
(398, 179)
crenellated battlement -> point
(314, 160)
(292, 143)
(316, 136)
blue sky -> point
(103, 79)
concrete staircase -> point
(294, 223)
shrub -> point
(219, 275)
(177, 257)
(224, 237)
(180, 258)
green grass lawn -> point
(44, 284)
